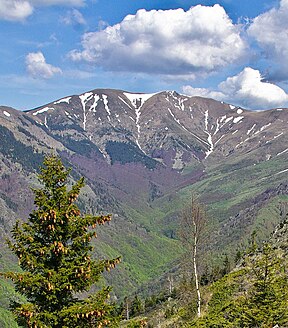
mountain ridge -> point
(203, 133)
(142, 159)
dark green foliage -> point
(53, 249)
(150, 302)
(214, 272)
(254, 296)
(226, 266)
(63, 125)
(128, 153)
(17, 151)
(266, 301)
(136, 306)
(83, 147)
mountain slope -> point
(142, 155)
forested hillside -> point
(250, 293)
(142, 156)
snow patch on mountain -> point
(209, 139)
(45, 122)
(124, 102)
(179, 102)
(237, 119)
(217, 127)
(262, 128)
(282, 152)
(105, 102)
(84, 99)
(6, 113)
(67, 114)
(138, 98)
(228, 119)
(222, 118)
(43, 110)
(183, 127)
(250, 130)
(64, 100)
(95, 103)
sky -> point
(232, 51)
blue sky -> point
(233, 51)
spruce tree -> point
(266, 301)
(54, 252)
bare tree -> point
(193, 222)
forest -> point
(60, 283)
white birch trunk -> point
(127, 311)
(196, 272)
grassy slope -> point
(145, 255)
(226, 189)
(7, 292)
(226, 192)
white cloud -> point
(57, 2)
(38, 68)
(174, 42)
(19, 10)
(246, 89)
(202, 92)
(15, 10)
(73, 17)
(270, 30)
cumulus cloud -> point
(173, 42)
(202, 92)
(38, 68)
(270, 31)
(19, 10)
(15, 10)
(245, 89)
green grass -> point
(225, 194)
(7, 294)
(7, 319)
(268, 217)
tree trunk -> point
(196, 273)
(127, 311)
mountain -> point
(142, 155)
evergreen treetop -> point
(54, 252)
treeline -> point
(250, 291)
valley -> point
(142, 156)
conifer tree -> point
(54, 252)
(266, 301)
